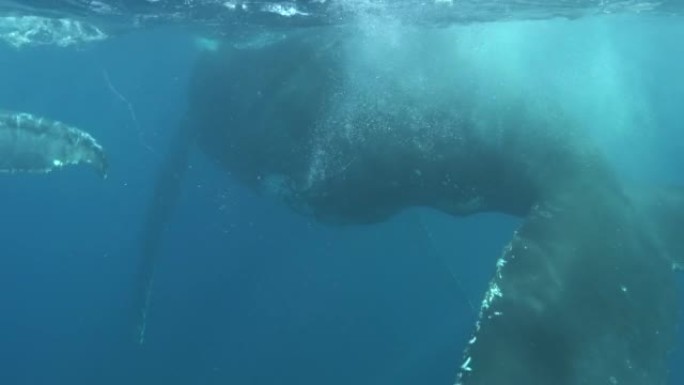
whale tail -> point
(582, 294)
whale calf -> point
(584, 294)
(30, 143)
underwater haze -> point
(245, 290)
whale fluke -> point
(29, 143)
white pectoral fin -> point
(577, 298)
(32, 144)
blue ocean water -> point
(248, 292)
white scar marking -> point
(466, 365)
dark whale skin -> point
(585, 292)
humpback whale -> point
(29, 143)
(585, 291)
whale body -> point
(584, 293)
